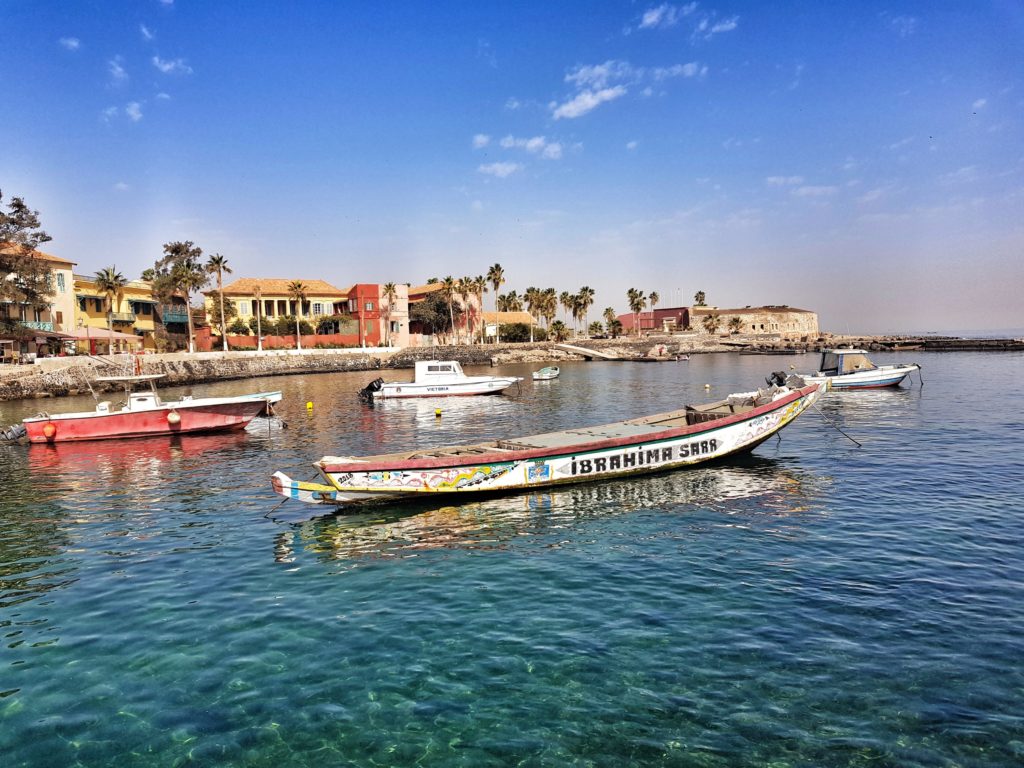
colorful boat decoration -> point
(438, 378)
(144, 414)
(547, 373)
(667, 441)
(851, 369)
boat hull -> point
(878, 378)
(501, 470)
(189, 417)
(460, 389)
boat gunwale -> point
(496, 455)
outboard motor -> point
(13, 433)
(777, 378)
(366, 393)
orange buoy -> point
(49, 430)
(173, 418)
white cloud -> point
(679, 70)
(665, 15)
(901, 143)
(164, 96)
(481, 140)
(71, 43)
(169, 66)
(121, 186)
(871, 195)
(109, 114)
(809, 191)
(134, 111)
(476, 205)
(512, 104)
(501, 170)
(538, 145)
(728, 25)
(552, 151)
(146, 33)
(631, 145)
(979, 103)
(783, 181)
(586, 101)
(599, 75)
(118, 74)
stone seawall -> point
(60, 377)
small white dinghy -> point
(546, 374)
(438, 378)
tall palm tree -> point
(496, 277)
(653, 298)
(190, 276)
(112, 283)
(586, 295)
(465, 291)
(479, 289)
(510, 302)
(297, 291)
(565, 299)
(533, 298)
(549, 307)
(608, 314)
(449, 287)
(218, 265)
(390, 294)
(637, 302)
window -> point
(81, 304)
(318, 309)
(369, 305)
(243, 308)
(60, 282)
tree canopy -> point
(24, 279)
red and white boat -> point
(144, 414)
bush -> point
(238, 327)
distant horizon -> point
(817, 156)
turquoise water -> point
(813, 604)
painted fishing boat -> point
(547, 373)
(851, 369)
(144, 414)
(434, 378)
(667, 441)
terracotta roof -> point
(509, 317)
(422, 290)
(246, 286)
(39, 255)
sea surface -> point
(817, 603)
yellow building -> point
(50, 322)
(271, 298)
(134, 313)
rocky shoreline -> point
(58, 377)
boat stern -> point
(310, 493)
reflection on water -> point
(772, 493)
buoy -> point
(437, 413)
(309, 405)
(173, 418)
(707, 386)
(49, 430)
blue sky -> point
(864, 160)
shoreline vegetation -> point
(75, 375)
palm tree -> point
(549, 306)
(449, 287)
(218, 265)
(653, 298)
(479, 289)
(608, 314)
(614, 327)
(510, 302)
(637, 302)
(496, 277)
(533, 298)
(594, 329)
(297, 291)
(565, 299)
(112, 283)
(190, 276)
(559, 331)
(711, 323)
(465, 291)
(390, 294)
(735, 323)
(698, 299)
(586, 295)
(576, 306)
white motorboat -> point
(546, 374)
(851, 369)
(439, 378)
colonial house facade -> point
(50, 323)
(133, 313)
(468, 325)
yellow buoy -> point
(437, 413)
(309, 405)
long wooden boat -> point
(674, 440)
(144, 414)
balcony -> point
(122, 317)
(173, 313)
(37, 325)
